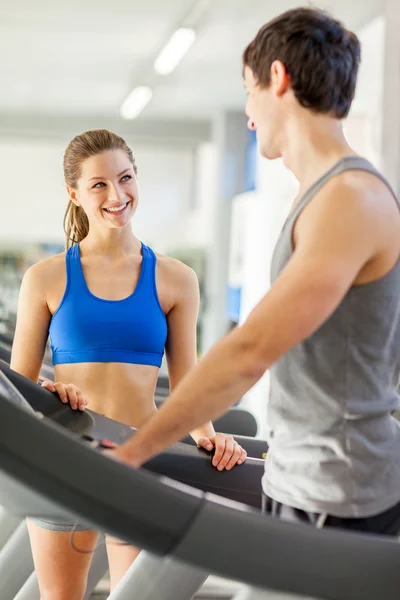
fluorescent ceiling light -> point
(135, 102)
(174, 51)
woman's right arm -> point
(32, 328)
(31, 333)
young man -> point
(329, 328)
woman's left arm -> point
(181, 354)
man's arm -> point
(334, 238)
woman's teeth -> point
(115, 209)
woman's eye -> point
(100, 184)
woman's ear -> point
(72, 195)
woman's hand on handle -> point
(228, 452)
(68, 393)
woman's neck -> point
(113, 243)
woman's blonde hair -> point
(83, 146)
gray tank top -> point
(334, 444)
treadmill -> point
(183, 463)
(47, 469)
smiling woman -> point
(100, 149)
(111, 306)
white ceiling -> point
(75, 59)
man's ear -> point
(280, 79)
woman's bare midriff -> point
(123, 392)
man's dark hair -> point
(321, 58)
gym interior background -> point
(206, 197)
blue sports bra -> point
(86, 328)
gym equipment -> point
(182, 462)
(46, 470)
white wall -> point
(363, 127)
(165, 186)
(196, 226)
(192, 226)
(33, 198)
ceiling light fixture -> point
(136, 102)
(175, 50)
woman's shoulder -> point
(175, 271)
(47, 270)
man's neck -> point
(311, 145)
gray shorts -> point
(60, 525)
